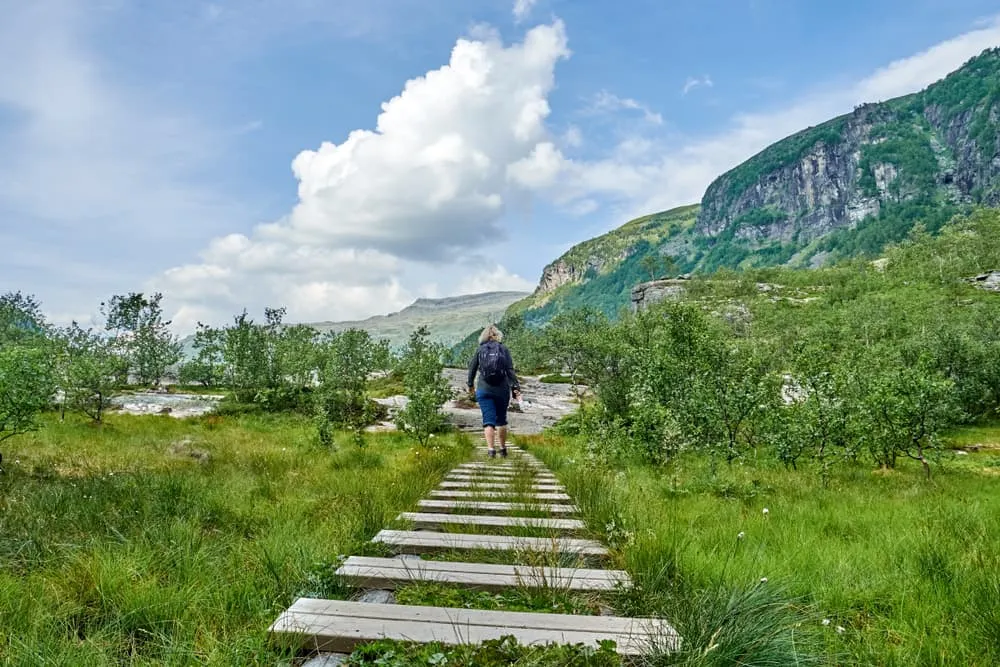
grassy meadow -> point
(150, 541)
(761, 565)
(155, 541)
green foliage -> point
(609, 266)
(906, 145)
(26, 387)
(156, 541)
(873, 368)
(760, 217)
(863, 567)
(142, 335)
(425, 387)
(90, 370)
(21, 319)
(892, 225)
(492, 653)
(27, 374)
(974, 88)
(347, 360)
(208, 366)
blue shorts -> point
(494, 407)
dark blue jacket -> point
(510, 379)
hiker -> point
(496, 383)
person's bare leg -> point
(489, 433)
(503, 436)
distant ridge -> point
(449, 319)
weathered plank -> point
(390, 573)
(333, 625)
(476, 484)
(501, 464)
(466, 506)
(422, 542)
(436, 520)
(455, 493)
(499, 474)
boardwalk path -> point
(500, 500)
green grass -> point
(908, 569)
(548, 600)
(154, 541)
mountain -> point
(602, 271)
(855, 183)
(845, 188)
(449, 319)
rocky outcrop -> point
(568, 272)
(989, 281)
(557, 274)
(648, 293)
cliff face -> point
(936, 147)
(567, 272)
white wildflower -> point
(840, 630)
(826, 621)
(741, 535)
(766, 511)
(763, 580)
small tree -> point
(26, 388)
(142, 335)
(26, 369)
(246, 356)
(425, 387)
(21, 319)
(91, 371)
(208, 366)
(348, 359)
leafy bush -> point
(425, 386)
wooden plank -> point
(476, 484)
(466, 506)
(498, 475)
(332, 625)
(390, 573)
(423, 542)
(436, 520)
(500, 464)
(455, 493)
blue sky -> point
(150, 146)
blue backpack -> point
(492, 362)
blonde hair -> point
(491, 333)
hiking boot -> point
(491, 453)
(503, 452)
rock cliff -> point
(937, 148)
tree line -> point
(869, 362)
(263, 366)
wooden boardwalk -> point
(493, 500)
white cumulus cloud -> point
(427, 185)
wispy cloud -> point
(696, 82)
(607, 102)
(522, 8)
(106, 173)
(641, 175)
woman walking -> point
(493, 390)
